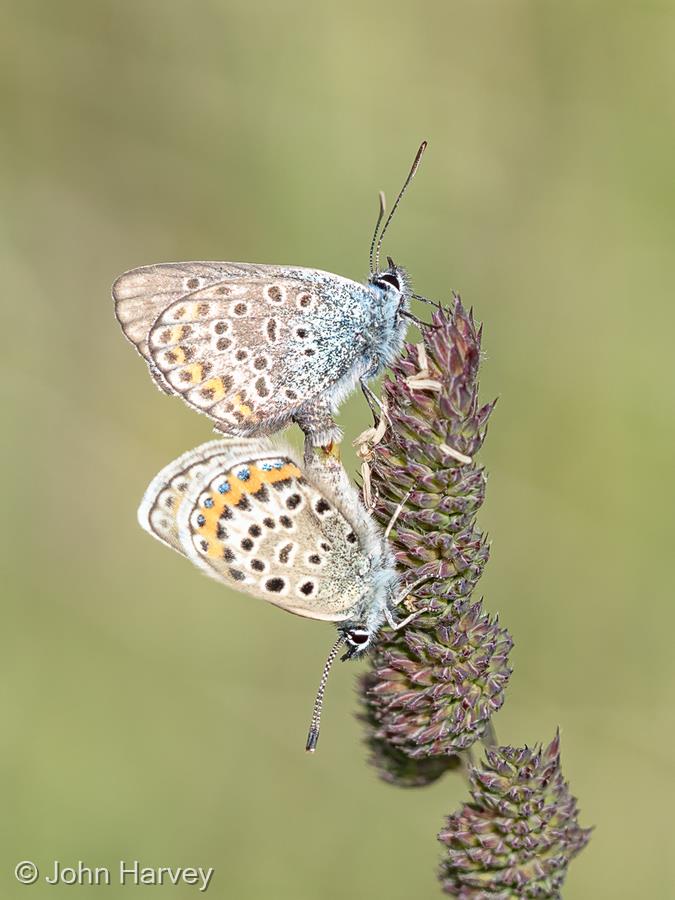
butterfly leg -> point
(391, 621)
(316, 420)
(397, 512)
(396, 626)
(413, 587)
(377, 408)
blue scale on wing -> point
(275, 536)
(164, 496)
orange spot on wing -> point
(216, 385)
(243, 408)
(238, 488)
(287, 471)
(175, 356)
(192, 374)
(231, 498)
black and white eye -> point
(389, 278)
(358, 637)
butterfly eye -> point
(358, 637)
(389, 278)
(357, 640)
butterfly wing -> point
(246, 515)
(245, 344)
(165, 494)
(141, 295)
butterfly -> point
(255, 347)
(251, 516)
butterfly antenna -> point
(313, 735)
(380, 216)
(411, 175)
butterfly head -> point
(395, 283)
(356, 635)
(357, 639)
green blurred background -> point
(147, 714)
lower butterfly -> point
(246, 513)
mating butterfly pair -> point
(256, 347)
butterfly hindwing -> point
(165, 494)
(245, 513)
(221, 350)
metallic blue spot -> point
(208, 503)
(224, 487)
(244, 474)
(200, 519)
(266, 467)
(278, 465)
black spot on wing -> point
(262, 495)
(282, 483)
(285, 553)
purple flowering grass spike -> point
(520, 832)
(434, 685)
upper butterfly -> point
(257, 346)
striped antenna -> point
(411, 175)
(380, 216)
(313, 735)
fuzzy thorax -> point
(393, 290)
(362, 628)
